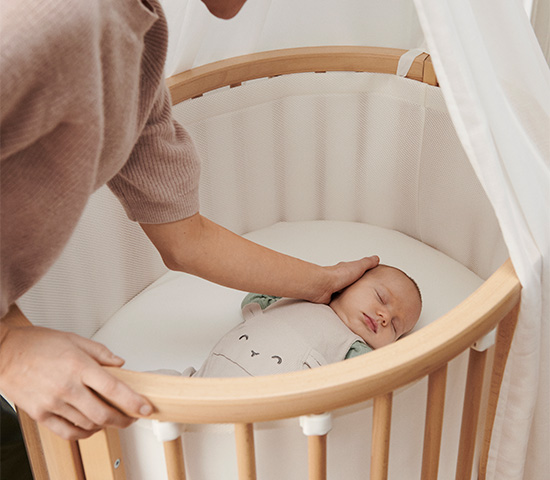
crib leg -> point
(102, 456)
(246, 457)
(434, 423)
(62, 456)
(317, 457)
(33, 445)
(316, 428)
(173, 454)
(470, 414)
(169, 433)
(381, 427)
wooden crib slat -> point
(102, 456)
(317, 457)
(470, 414)
(33, 445)
(246, 457)
(62, 456)
(173, 454)
(434, 423)
(381, 427)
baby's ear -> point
(250, 310)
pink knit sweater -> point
(83, 103)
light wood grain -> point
(428, 73)
(470, 414)
(102, 456)
(234, 71)
(317, 457)
(437, 382)
(246, 456)
(62, 456)
(173, 454)
(34, 446)
(381, 427)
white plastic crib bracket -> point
(166, 431)
(317, 425)
(485, 342)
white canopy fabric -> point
(496, 84)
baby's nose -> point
(383, 318)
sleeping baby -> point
(282, 335)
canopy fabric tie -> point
(407, 59)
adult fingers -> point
(97, 351)
(65, 429)
(349, 272)
(99, 411)
(370, 262)
(45, 371)
(116, 393)
(110, 388)
(76, 418)
(352, 271)
(344, 274)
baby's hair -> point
(406, 275)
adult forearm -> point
(201, 247)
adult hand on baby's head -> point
(343, 274)
(57, 378)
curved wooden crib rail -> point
(244, 401)
(273, 397)
(232, 72)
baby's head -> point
(381, 306)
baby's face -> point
(379, 307)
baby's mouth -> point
(371, 323)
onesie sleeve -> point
(159, 183)
(358, 348)
(263, 301)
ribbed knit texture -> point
(83, 102)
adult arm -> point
(203, 248)
(57, 378)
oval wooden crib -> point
(310, 394)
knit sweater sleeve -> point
(159, 182)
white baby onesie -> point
(288, 335)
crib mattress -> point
(175, 322)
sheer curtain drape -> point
(497, 86)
